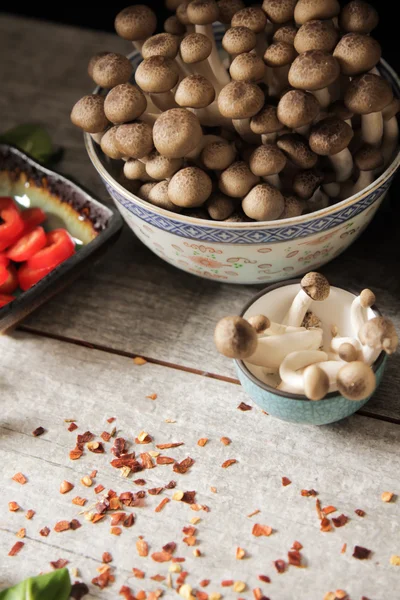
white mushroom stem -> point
(138, 45)
(97, 137)
(242, 127)
(338, 341)
(279, 329)
(299, 360)
(332, 189)
(214, 60)
(318, 200)
(372, 128)
(323, 96)
(273, 180)
(272, 350)
(369, 355)
(390, 139)
(277, 79)
(332, 368)
(164, 100)
(268, 138)
(342, 162)
(283, 387)
(358, 316)
(298, 309)
(149, 118)
(365, 179)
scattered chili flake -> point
(325, 525)
(163, 502)
(75, 454)
(361, 553)
(29, 514)
(139, 360)
(66, 487)
(189, 530)
(106, 558)
(103, 580)
(240, 553)
(259, 530)
(126, 592)
(44, 532)
(152, 396)
(182, 577)
(395, 560)
(387, 496)
(72, 427)
(62, 526)
(264, 578)
(13, 506)
(226, 441)
(360, 512)
(213, 489)
(16, 548)
(308, 493)
(344, 548)
(228, 463)
(79, 501)
(158, 578)
(201, 595)
(99, 488)
(189, 497)
(143, 438)
(258, 595)
(184, 465)
(20, 478)
(170, 421)
(318, 508)
(60, 563)
(129, 521)
(142, 547)
(95, 447)
(294, 558)
(327, 510)
(21, 533)
(155, 491)
(38, 431)
(202, 442)
(161, 557)
(341, 595)
(117, 518)
(147, 461)
(170, 445)
(195, 520)
(340, 520)
(138, 573)
(227, 583)
(286, 481)
(297, 546)
(255, 512)
(171, 485)
(205, 582)
(178, 559)
(139, 482)
(197, 552)
(84, 438)
(141, 595)
(190, 540)
(280, 566)
(243, 406)
(116, 530)
(165, 460)
(178, 495)
(74, 524)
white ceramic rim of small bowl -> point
(101, 169)
(268, 388)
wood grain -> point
(350, 464)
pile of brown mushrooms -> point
(293, 350)
(295, 117)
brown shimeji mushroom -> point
(247, 67)
(234, 337)
(260, 323)
(263, 203)
(294, 207)
(157, 76)
(134, 140)
(136, 169)
(194, 91)
(358, 314)
(296, 148)
(109, 145)
(306, 184)
(240, 101)
(379, 333)
(279, 11)
(237, 40)
(158, 195)
(356, 381)
(255, 19)
(172, 4)
(111, 69)
(220, 207)
(308, 10)
(136, 23)
(227, 8)
(315, 71)
(367, 96)
(314, 287)
(367, 159)
(316, 35)
(316, 383)
(359, 17)
(266, 123)
(174, 26)
(176, 133)
(195, 48)
(218, 155)
(286, 33)
(278, 57)
(330, 137)
(93, 61)
(237, 180)
(161, 167)
(390, 130)
(125, 102)
(182, 16)
(357, 53)
(347, 352)
(297, 110)
(145, 189)
(161, 44)
(88, 114)
(189, 187)
(267, 161)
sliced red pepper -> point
(27, 276)
(5, 299)
(4, 260)
(11, 283)
(13, 224)
(59, 247)
(3, 274)
(33, 217)
(28, 245)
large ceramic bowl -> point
(253, 252)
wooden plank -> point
(350, 464)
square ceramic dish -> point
(93, 226)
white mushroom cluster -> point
(294, 349)
(295, 117)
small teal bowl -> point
(296, 408)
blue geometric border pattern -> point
(246, 236)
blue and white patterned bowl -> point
(295, 407)
(248, 253)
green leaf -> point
(32, 139)
(51, 586)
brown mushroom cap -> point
(286, 34)
(195, 91)
(218, 155)
(296, 148)
(266, 121)
(297, 108)
(237, 180)
(247, 67)
(252, 17)
(189, 187)
(260, 323)
(359, 17)
(391, 109)
(181, 12)
(176, 132)
(367, 298)
(313, 70)
(136, 22)
(109, 145)
(279, 11)
(279, 54)
(340, 110)
(316, 35)
(174, 26)
(93, 61)
(158, 195)
(111, 70)
(161, 167)
(307, 10)
(330, 136)
(263, 203)
(135, 169)
(157, 74)
(347, 352)
(88, 114)
(172, 5)
(162, 44)
(293, 207)
(125, 102)
(134, 139)
(267, 160)
(367, 94)
(144, 190)
(237, 40)
(227, 8)
(316, 286)
(316, 383)
(357, 53)
(306, 182)
(379, 333)
(195, 47)
(234, 337)
(368, 158)
(356, 380)
(240, 100)
(202, 12)
(220, 206)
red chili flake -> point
(340, 520)
(178, 559)
(255, 512)
(105, 436)
(140, 481)
(97, 518)
(115, 530)
(326, 525)
(21, 533)
(286, 481)
(103, 579)
(202, 442)
(227, 582)
(360, 512)
(44, 532)
(163, 502)
(75, 454)
(280, 566)
(79, 501)
(74, 524)
(99, 488)
(165, 460)
(319, 510)
(225, 441)
(133, 464)
(119, 447)
(79, 590)
(141, 595)
(117, 518)
(294, 558)
(361, 553)
(297, 546)
(155, 491)
(16, 548)
(142, 547)
(152, 396)
(138, 573)
(327, 510)
(147, 439)
(309, 493)
(264, 578)
(344, 548)
(60, 563)
(126, 592)
(38, 431)
(158, 578)
(184, 465)
(201, 595)
(228, 463)
(243, 406)
(106, 558)
(189, 530)
(147, 461)
(20, 478)
(72, 427)
(129, 521)
(259, 530)
(205, 582)
(13, 506)
(171, 445)
(182, 577)
(62, 526)
(29, 514)
(84, 438)
(170, 547)
(95, 447)
(258, 595)
(171, 485)
(161, 556)
(111, 420)
(188, 497)
(190, 540)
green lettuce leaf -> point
(51, 586)
(32, 139)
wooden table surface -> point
(72, 359)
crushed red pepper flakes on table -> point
(170, 445)
(139, 481)
(66, 487)
(240, 553)
(258, 595)
(264, 578)
(280, 565)
(142, 547)
(38, 431)
(60, 563)
(158, 578)
(106, 558)
(95, 447)
(395, 560)
(16, 548)
(255, 512)
(147, 461)
(155, 491)
(20, 478)
(79, 501)
(13, 506)
(344, 548)
(163, 502)
(126, 592)
(308, 493)
(325, 525)
(183, 466)
(104, 579)
(75, 454)
(227, 583)
(286, 481)
(139, 360)
(361, 553)
(44, 532)
(205, 582)
(152, 396)
(105, 436)
(21, 533)
(202, 442)
(72, 427)
(29, 514)
(115, 530)
(161, 557)
(111, 420)
(62, 526)
(165, 460)
(243, 406)
(360, 512)
(294, 558)
(190, 540)
(99, 488)
(225, 441)
(138, 573)
(261, 530)
(387, 496)
(327, 510)
(228, 463)
(340, 520)
(297, 546)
